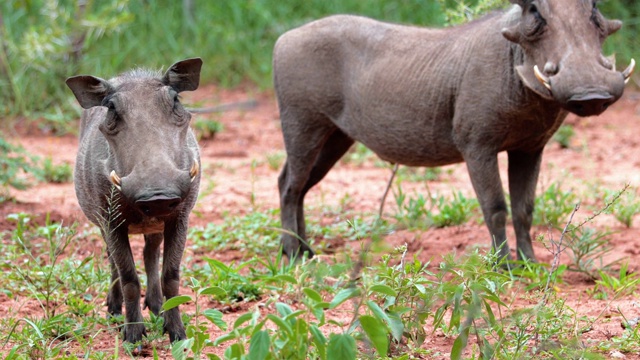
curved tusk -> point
(115, 179)
(628, 71)
(541, 77)
(195, 169)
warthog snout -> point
(590, 104)
(158, 205)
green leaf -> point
(226, 337)
(215, 317)
(342, 347)
(460, 343)
(242, 319)
(286, 278)
(259, 345)
(383, 289)
(280, 323)
(395, 324)
(214, 290)
(218, 265)
(283, 309)
(175, 302)
(235, 351)
(376, 332)
(319, 340)
(344, 295)
(180, 349)
(312, 294)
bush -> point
(14, 163)
(44, 41)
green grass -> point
(395, 300)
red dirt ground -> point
(603, 155)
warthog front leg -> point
(153, 297)
(485, 177)
(523, 177)
(120, 254)
(114, 297)
(175, 235)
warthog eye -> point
(536, 26)
(178, 110)
(110, 124)
(597, 19)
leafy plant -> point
(275, 160)
(237, 287)
(56, 173)
(207, 129)
(197, 334)
(254, 233)
(553, 206)
(626, 282)
(435, 211)
(456, 211)
(36, 58)
(624, 207)
(358, 155)
(470, 289)
(419, 174)
(464, 11)
(14, 162)
(563, 136)
(587, 248)
(51, 279)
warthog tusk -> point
(195, 169)
(115, 179)
(541, 77)
(628, 71)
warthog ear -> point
(183, 75)
(612, 26)
(89, 90)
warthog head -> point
(150, 160)
(562, 42)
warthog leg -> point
(523, 177)
(114, 297)
(153, 297)
(120, 255)
(175, 234)
(485, 177)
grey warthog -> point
(137, 172)
(431, 97)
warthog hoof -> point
(133, 333)
(154, 303)
(175, 334)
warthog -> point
(137, 172)
(432, 97)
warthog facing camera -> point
(432, 97)
(137, 172)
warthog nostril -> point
(158, 205)
(589, 104)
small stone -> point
(617, 355)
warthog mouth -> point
(117, 180)
(544, 80)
